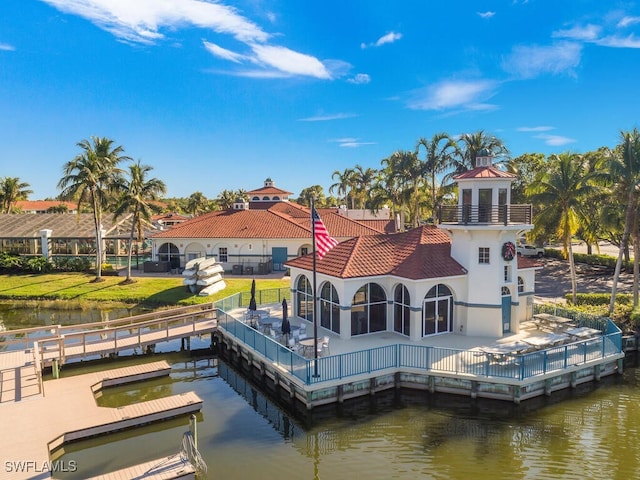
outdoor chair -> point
(325, 344)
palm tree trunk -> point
(629, 215)
(572, 269)
(133, 227)
(97, 223)
(636, 260)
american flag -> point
(324, 242)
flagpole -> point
(313, 286)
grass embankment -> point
(77, 290)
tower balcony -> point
(485, 214)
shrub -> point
(37, 265)
(599, 298)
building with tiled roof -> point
(168, 220)
(44, 206)
(61, 234)
(460, 276)
(254, 237)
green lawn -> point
(80, 290)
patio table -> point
(549, 320)
(545, 341)
(308, 344)
(583, 332)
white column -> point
(44, 240)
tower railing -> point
(485, 214)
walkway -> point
(68, 411)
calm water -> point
(589, 433)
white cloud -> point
(593, 34)
(6, 47)
(142, 21)
(454, 94)
(223, 52)
(288, 61)
(626, 21)
(615, 41)
(390, 37)
(531, 61)
(147, 21)
(351, 142)
(360, 79)
(328, 117)
(555, 140)
(486, 14)
(584, 33)
(535, 129)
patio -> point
(544, 331)
(543, 357)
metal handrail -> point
(485, 214)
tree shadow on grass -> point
(169, 296)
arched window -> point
(329, 307)
(168, 252)
(401, 311)
(265, 198)
(520, 285)
(276, 198)
(255, 198)
(437, 311)
(369, 310)
(304, 294)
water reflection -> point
(245, 431)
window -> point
(437, 311)
(520, 285)
(223, 255)
(401, 310)
(483, 255)
(507, 273)
(329, 308)
(305, 298)
(369, 310)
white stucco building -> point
(462, 275)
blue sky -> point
(221, 95)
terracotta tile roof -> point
(268, 191)
(424, 252)
(43, 205)
(484, 172)
(282, 220)
(169, 216)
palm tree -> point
(137, 193)
(391, 186)
(344, 185)
(93, 177)
(410, 171)
(560, 190)
(439, 151)
(625, 169)
(226, 199)
(12, 190)
(473, 143)
(197, 203)
(363, 180)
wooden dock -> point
(31, 349)
(173, 467)
(36, 429)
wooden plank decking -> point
(168, 468)
(68, 411)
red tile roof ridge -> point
(484, 172)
